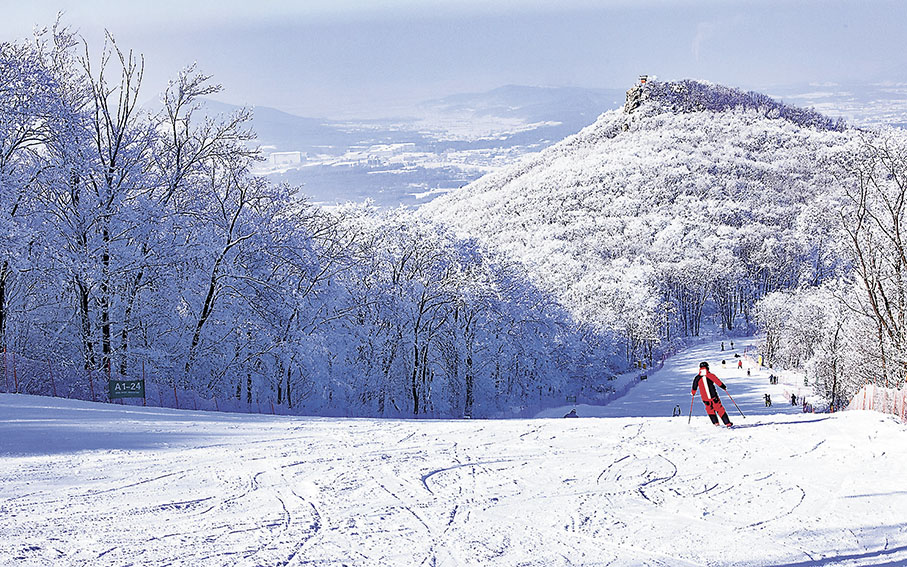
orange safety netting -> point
(884, 400)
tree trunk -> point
(206, 312)
(127, 316)
(280, 387)
(470, 387)
(104, 302)
(425, 380)
(87, 343)
(726, 297)
(4, 274)
(415, 378)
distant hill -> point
(530, 103)
(280, 131)
(502, 117)
(456, 140)
(557, 112)
(872, 104)
(693, 205)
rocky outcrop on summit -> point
(635, 97)
(697, 96)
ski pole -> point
(691, 408)
(735, 403)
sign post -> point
(118, 389)
(53, 383)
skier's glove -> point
(723, 387)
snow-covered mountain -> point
(703, 195)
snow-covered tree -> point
(874, 221)
(31, 114)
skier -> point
(705, 382)
(740, 364)
(677, 412)
(722, 346)
(768, 400)
(572, 413)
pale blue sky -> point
(331, 57)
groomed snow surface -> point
(94, 484)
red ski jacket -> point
(706, 387)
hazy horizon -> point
(330, 59)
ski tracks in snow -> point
(621, 491)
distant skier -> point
(677, 411)
(572, 413)
(722, 346)
(739, 364)
(768, 400)
(705, 382)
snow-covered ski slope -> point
(657, 396)
(92, 484)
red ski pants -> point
(715, 409)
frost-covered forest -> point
(137, 242)
(140, 243)
(701, 205)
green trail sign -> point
(126, 389)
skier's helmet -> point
(704, 365)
